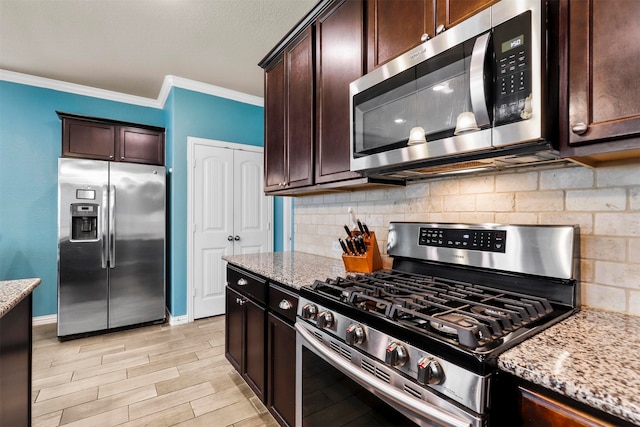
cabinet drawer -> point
(283, 302)
(247, 284)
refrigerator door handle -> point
(112, 226)
(104, 226)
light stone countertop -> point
(14, 291)
(293, 269)
(592, 357)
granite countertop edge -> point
(589, 357)
(292, 269)
(14, 291)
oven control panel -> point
(477, 240)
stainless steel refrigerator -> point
(111, 245)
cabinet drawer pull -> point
(285, 305)
(579, 128)
(242, 282)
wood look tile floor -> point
(158, 375)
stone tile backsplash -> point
(604, 202)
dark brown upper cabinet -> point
(97, 139)
(600, 64)
(394, 27)
(452, 12)
(289, 118)
(339, 54)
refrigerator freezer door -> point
(137, 286)
(82, 273)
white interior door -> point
(230, 215)
(252, 223)
(213, 224)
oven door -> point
(337, 385)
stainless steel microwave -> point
(476, 94)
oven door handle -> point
(476, 80)
(387, 391)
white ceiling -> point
(129, 46)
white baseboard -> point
(178, 320)
(45, 320)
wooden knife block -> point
(367, 263)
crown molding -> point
(168, 83)
(196, 86)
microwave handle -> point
(476, 80)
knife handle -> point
(366, 230)
(344, 247)
(348, 231)
(352, 249)
(360, 226)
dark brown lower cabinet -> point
(281, 370)
(540, 410)
(15, 365)
(245, 340)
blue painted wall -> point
(195, 114)
(30, 145)
(30, 141)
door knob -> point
(236, 238)
(230, 238)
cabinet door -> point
(538, 410)
(281, 370)
(255, 362)
(339, 45)
(234, 330)
(139, 145)
(603, 68)
(452, 12)
(300, 110)
(88, 140)
(395, 27)
(275, 137)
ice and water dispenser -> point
(84, 221)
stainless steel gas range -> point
(418, 345)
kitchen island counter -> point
(293, 269)
(15, 351)
(14, 291)
(591, 357)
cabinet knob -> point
(579, 128)
(230, 238)
(236, 238)
(424, 37)
(242, 282)
(285, 305)
(440, 29)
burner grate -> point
(475, 316)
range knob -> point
(396, 354)
(324, 320)
(309, 311)
(429, 371)
(355, 334)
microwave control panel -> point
(512, 47)
(478, 240)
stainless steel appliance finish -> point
(539, 250)
(425, 337)
(491, 65)
(111, 245)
